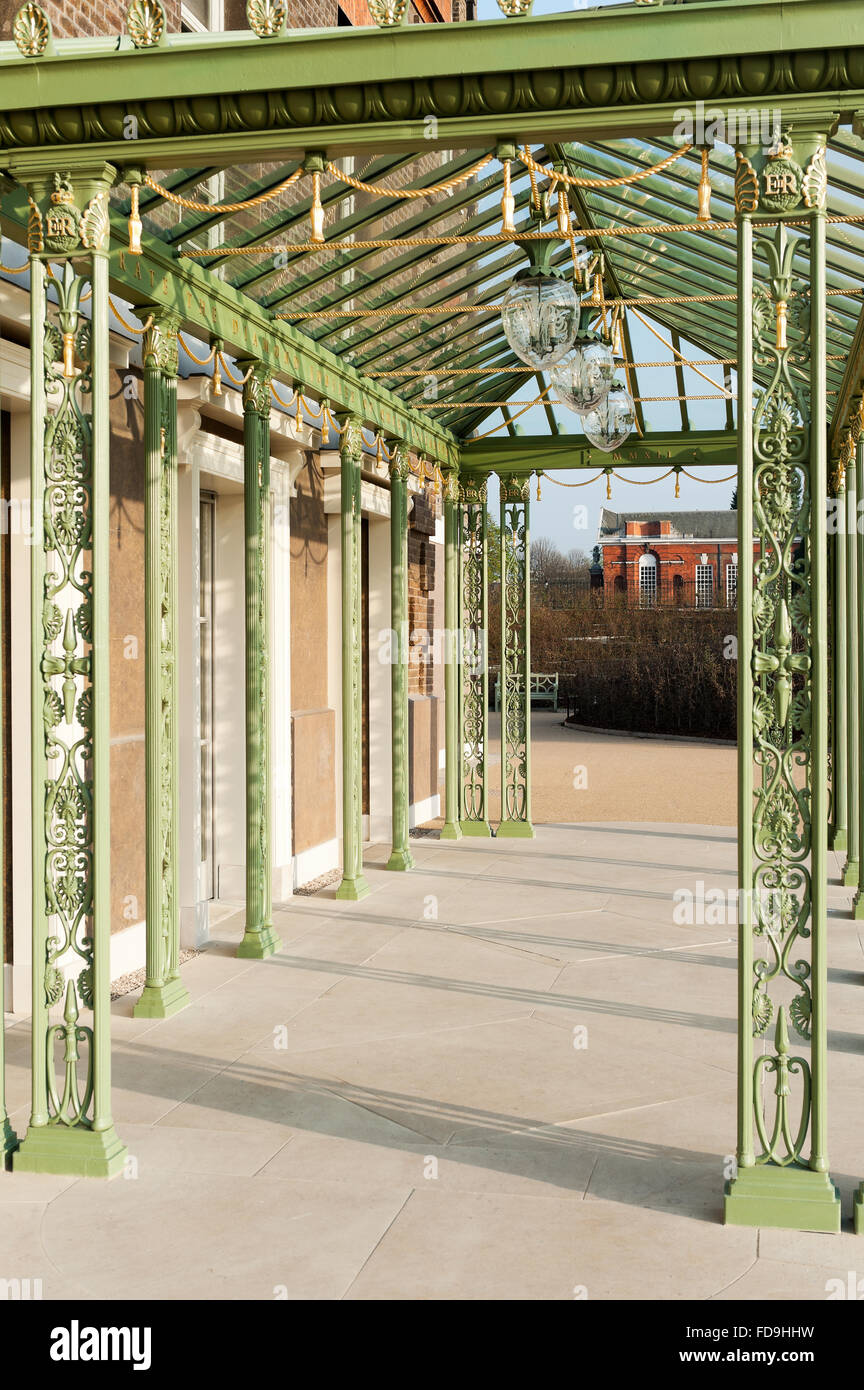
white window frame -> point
(648, 592)
(215, 18)
(732, 584)
(704, 594)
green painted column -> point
(8, 1137)
(401, 857)
(841, 547)
(452, 828)
(164, 992)
(353, 885)
(515, 659)
(782, 1178)
(853, 728)
(855, 542)
(474, 669)
(259, 938)
(71, 1129)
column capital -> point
(351, 440)
(256, 386)
(515, 488)
(472, 488)
(450, 490)
(68, 207)
(787, 178)
(399, 465)
(159, 342)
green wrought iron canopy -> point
(395, 313)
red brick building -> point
(687, 557)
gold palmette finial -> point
(135, 224)
(704, 213)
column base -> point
(161, 1001)
(481, 829)
(258, 945)
(516, 830)
(858, 906)
(351, 890)
(451, 831)
(838, 839)
(858, 1210)
(792, 1199)
(849, 876)
(400, 861)
(79, 1153)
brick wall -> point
(86, 18)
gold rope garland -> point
(193, 205)
(377, 188)
(572, 181)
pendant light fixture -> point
(583, 378)
(610, 423)
(540, 316)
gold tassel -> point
(68, 354)
(618, 336)
(563, 212)
(508, 202)
(539, 476)
(316, 213)
(608, 485)
(135, 225)
(217, 376)
(677, 483)
(781, 325)
(704, 214)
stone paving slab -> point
(509, 1074)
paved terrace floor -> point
(393, 1106)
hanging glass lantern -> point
(609, 424)
(540, 318)
(583, 377)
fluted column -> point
(353, 885)
(164, 992)
(401, 857)
(853, 719)
(259, 938)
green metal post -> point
(71, 1129)
(841, 546)
(515, 659)
(474, 623)
(353, 885)
(783, 705)
(401, 857)
(164, 993)
(8, 1137)
(853, 730)
(259, 938)
(856, 684)
(452, 829)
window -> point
(732, 584)
(647, 581)
(704, 586)
(202, 16)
